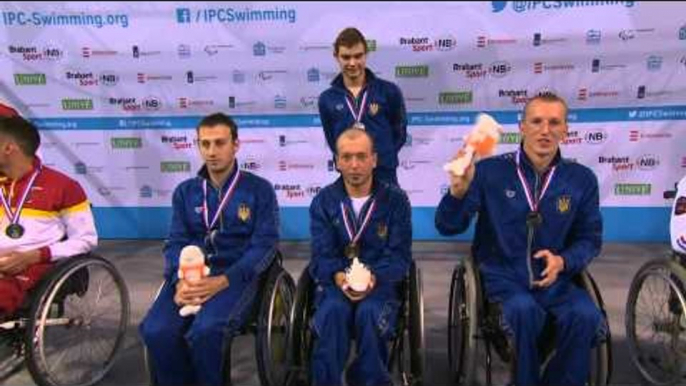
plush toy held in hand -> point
(358, 276)
(482, 141)
(678, 220)
(192, 268)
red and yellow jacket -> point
(56, 216)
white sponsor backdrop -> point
(118, 88)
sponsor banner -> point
(118, 106)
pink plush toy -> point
(678, 220)
(481, 141)
(358, 276)
(192, 268)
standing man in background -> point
(357, 98)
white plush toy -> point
(677, 226)
(482, 141)
(358, 276)
(192, 268)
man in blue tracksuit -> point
(357, 215)
(539, 224)
(358, 98)
(233, 216)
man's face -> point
(217, 147)
(352, 60)
(356, 160)
(544, 127)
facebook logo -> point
(183, 15)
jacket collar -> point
(379, 189)
(527, 164)
(204, 175)
(370, 79)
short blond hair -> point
(546, 96)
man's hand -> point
(341, 280)
(460, 184)
(554, 264)
(195, 293)
(354, 296)
(16, 262)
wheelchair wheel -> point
(494, 357)
(79, 318)
(656, 322)
(412, 344)
(417, 338)
(601, 358)
(300, 335)
(273, 327)
(463, 323)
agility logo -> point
(37, 79)
(510, 138)
(175, 167)
(633, 189)
(126, 142)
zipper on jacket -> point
(221, 223)
(530, 234)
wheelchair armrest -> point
(585, 281)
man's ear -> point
(8, 147)
(565, 133)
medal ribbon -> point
(14, 216)
(225, 200)
(357, 114)
(530, 194)
(348, 226)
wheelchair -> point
(474, 333)
(71, 326)
(269, 322)
(407, 349)
(656, 307)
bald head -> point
(356, 160)
(354, 134)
